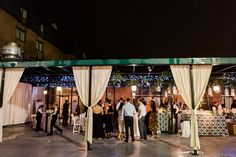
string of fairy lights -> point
(115, 80)
(164, 79)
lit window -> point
(39, 46)
(23, 13)
(41, 28)
(17, 33)
(39, 49)
(20, 34)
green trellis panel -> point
(100, 62)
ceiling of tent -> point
(63, 76)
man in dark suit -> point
(65, 113)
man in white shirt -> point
(128, 111)
(141, 116)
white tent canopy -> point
(100, 77)
(200, 76)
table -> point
(163, 120)
(211, 124)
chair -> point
(76, 123)
(83, 121)
(33, 121)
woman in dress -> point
(121, 122)
(108, 113)
(98, 131)
(153, 119)
(148, 110)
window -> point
(20, 34)
(41, 28)
(23, 13)
(39, 49)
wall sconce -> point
(134, 88)
(59, 89)
(133, 94)
(232, 92)
(216, 89)
(226, 92)
(45, 92)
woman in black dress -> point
(98, 131)
(108, 113)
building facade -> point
(17, 25)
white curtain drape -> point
(201, 75)
(12, 77)
(100, 78)
(18, 108)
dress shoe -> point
(50, 134)
(126, 140)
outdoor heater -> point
(11, 52)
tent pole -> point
(192, 98)
(47, 108)
(71, 100)
(89, 103)
(1, 102)
(2, 86)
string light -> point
(114, 81)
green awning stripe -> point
(152, 61)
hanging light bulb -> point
(226, 92)
(210, 92)
(59, 89)
(232, 92)
(133, 94)
(45, 92)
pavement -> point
(21, 141)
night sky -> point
(144, 29)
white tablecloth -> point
(185, 127)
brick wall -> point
(8, 26)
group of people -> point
(103, 119)
(54, 112)
(103, 114)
